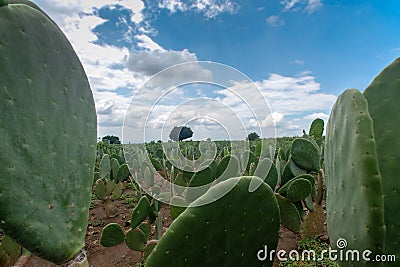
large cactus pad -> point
(47, 136)
(383, 96)
(354, 186)
(226, 232)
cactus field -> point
(69, 200)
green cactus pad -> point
(117, 192)
(296, 170)
(316, 128)
(383, 95)
(290, 216)
(105, 167)
(146, 229)
(228, 167)
(100, 189)
(287, 174)
(267, 171)
(149, 248)
(110, 185)
(306, 154)
(47, 135)
(283, 190)
(140, 212)
(354, 186)
(135, 239)
(148, 177)
(201, 179)
(123, 173)
(226, 232)
(298, 190)
(114, 168)
(178, 205)
(250, 157)
(112, 235)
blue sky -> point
(300, 54)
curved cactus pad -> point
(135, 239)
(140, 212)
(298, 190)
(112, 235)
(290, 216)
(354, 186)
(383, 95)
(227, 232)
(317, 128)
(47, 136)
(306, 154)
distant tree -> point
(179, 133)
(253, 136)
(111, 139)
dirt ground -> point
(121, 255)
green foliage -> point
(111, 139)
(253, 136)
(179, 133)
(48, 136)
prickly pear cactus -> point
(362, 138)
(354, 185)
(226, 232)
(47, 135)
(382, 96)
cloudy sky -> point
(280, 62)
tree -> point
(179, 133)
(111, 139)
(253, 136)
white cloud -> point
(150, 62)
(315, 115)
(313, 5)
(210, 8)
(289, 4)
(147, 43)
(275, 21)
(297, 62)
(309, 6)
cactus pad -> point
(47, 136)
(226, 232)
(112, 235)
(298, 190)
(135, 239)
(382, 96)
(290, 216)
(354, 186)
(140, 212)
(306, 154)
